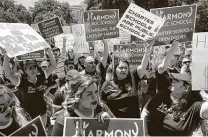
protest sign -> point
(33, 128)
(140, 23)
(179, 24)
(99, 45)
(66, 29)
(110, 128)
(31, 56)
(69, 42)
(80, 44)
(101, 24)
(199, 61)
(50, 28)
(133, 54)
(125, 37)
(19, 39)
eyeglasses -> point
(186, 62)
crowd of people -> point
(56, 87)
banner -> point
(133, 54)
(101, 24)
(199, 61)
(179, 24)
(19, 39)
(80, 44)
(59, 41)
(140, 23)
(50, 28)
(33, 128)
(110, 128)
(125, 37)
(31, 56)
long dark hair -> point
(115, 77)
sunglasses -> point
(186, 62)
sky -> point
(28, 3)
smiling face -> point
(89, 98)
(122, 70)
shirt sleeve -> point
(156, 100)
(58, 99)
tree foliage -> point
(45, 9)
(12, 12)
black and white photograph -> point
(104, 68)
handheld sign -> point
(110, 128)
(31, 56)
(80, 44)
(19, 39)
(101, 24)
(199, 61)
(133, 54)
(179, 24)
(50, 28)
(33, 128)
(140, 23)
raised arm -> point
(53, 63)
(105, 56)
(141, 69)
(204, 111)
(63, 54)
(166, 61)
(9, 74)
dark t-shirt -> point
(32, 95)
(118, 97)
(50, 81)
(163, 80)
(161, 121)
(9, 130)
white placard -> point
(19, 39)
(140, 22)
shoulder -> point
(61, 116)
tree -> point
(45, 9)
(202, 17)
(13, 13)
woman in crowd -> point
(175, 111)
(121, 91)
(12, 116)
(84, 101)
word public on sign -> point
(19, 39)
(34, 128)
(199, 61)
(179, 24)
(50, 28)
(133, 54)
(110, 128)
(31, 56)
(80, 44)
(101, 24)
(140, 23)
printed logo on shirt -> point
(31, 90)
(165, 110)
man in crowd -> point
(60, 58)
(31, 86)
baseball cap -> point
(55, 48)
(72, 74)
(44, 63)
(89, 59)
(28, 63)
